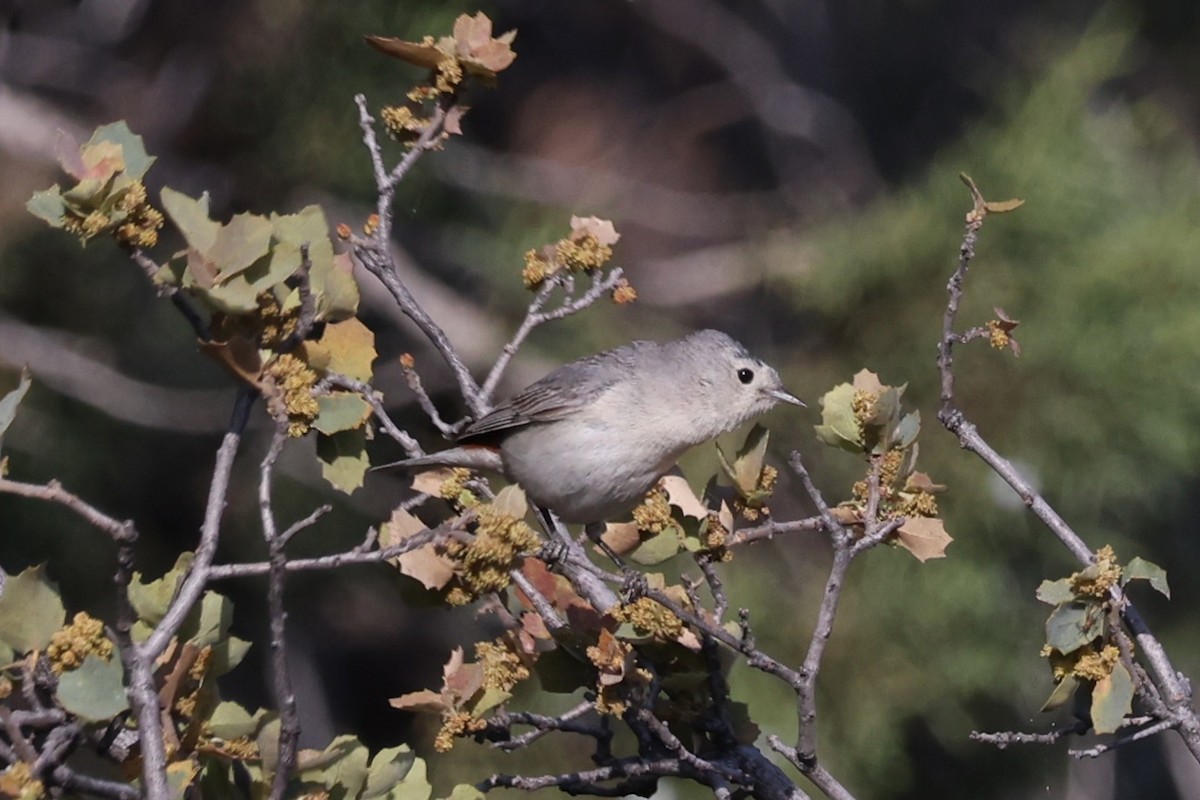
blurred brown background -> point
(783, 170)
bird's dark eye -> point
(745, 375)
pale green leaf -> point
(1112, 700)
(1071, 626)
(30, 610)
(1137, 569)
(343, 459)
(191, 217)
(341, 411)
(388, 767)
(1056, 592)
(95, 691)
(48, 205)
(133, 149)
(10, 401)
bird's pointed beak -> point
(786, 397)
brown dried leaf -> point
(847, 515)
(867, 381)
(430, 481)
(453, 122)
(346, 348)
(239, 356)
(603, 229)
(1003, 206)
(924, 537)
(421, 55)
(920, 482)
(423, 564)
(423, 700)
(621, 537)
(476, 47)
(462, 680)
(681, 494)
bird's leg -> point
(554, 551)
(633, 582)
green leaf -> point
(1073, 625)
(344, 459)
(342, 764)
(10, 401)
(227, 654)
(48, 205)
(415, 785)
(30, 610)
(151, 600)
(306, 226)
(332, 283)
(1063, 692)
(1112, 700)
(749, 463)
(1056, 592)
(906, 432)
(465, 791)
(839, 426)
(341, 411)
(180, 775)
(208, 623)
(658, 548)
(239, 244)
(389, 766)
(489, 699)
(133, 149)
(1137, 569)
(95, 691)
(191, 217)
(231, 721)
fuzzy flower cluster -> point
(485, 563)
(1086, 663)
(649, 618)
(454, 489)
(294, 381)
(277, 325)
(132, 220)
(502, 668)
(71, 644)
(1096, 582)
(587, 248)
(653, 515)
(454, 725)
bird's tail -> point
(471, 457)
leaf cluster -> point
(866, 418)
(1089, 654)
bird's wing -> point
(559, 394)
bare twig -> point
(193, 585)
(301, 524)
(281, 679)
(413, 379)
(179, 298)
(534, 316)
(374, 255)
(1173, 689)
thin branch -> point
(193, 585)
(1144, 733)
(334, 561)
(301, 524)
(281, 679)
(181, 300)
(410, 445)
(53, 492)
(374, 254)
(413, 379)
(534, 316)
(1174, 689)
(772, 528)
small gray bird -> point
(591, 438)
